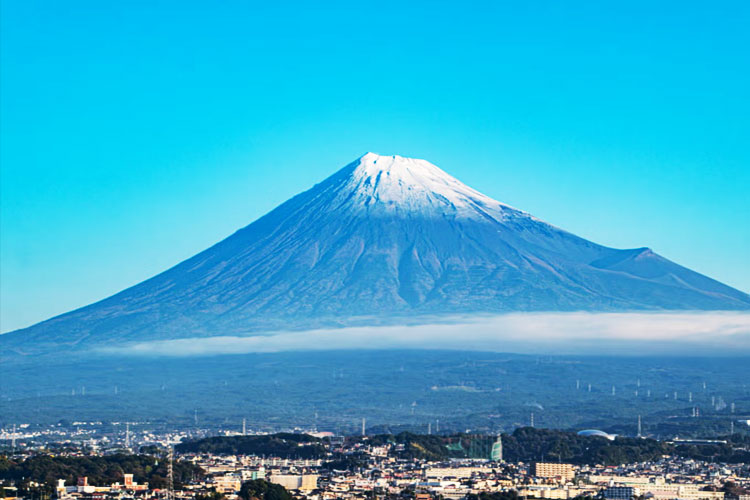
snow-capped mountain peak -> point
(397, 184)
(384, 240)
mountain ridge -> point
(387, 237)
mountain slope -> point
(383, 239)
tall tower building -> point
(640, 433)
(496, 455)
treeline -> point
(101, 470)
(525, 444)
(283, 445)
(531, 444)
(421, 446)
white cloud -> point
(696, 333)
(552, 333)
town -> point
(321, 466)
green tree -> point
(211, 495)
(260, 489)
(498, 495)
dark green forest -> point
(283, 445)
(530, 444)
(101, 470)
(524, 444)
(259, 489)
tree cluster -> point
(100, 470)
(260, 489)
(283, 445)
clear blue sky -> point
(135, 134)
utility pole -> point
(170, 473)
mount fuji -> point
(386, 239)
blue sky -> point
(135, 134)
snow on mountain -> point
(394, 184)
(384, 240)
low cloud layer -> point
(550, 333)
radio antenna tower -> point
(531, 420)
(639, 426)
(244, 427)
(13, 439)
(127, 435)
(731, 427)
(170, 473)
(437, 425)
(363, 427)
(429, 427)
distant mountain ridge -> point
(383, 239)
